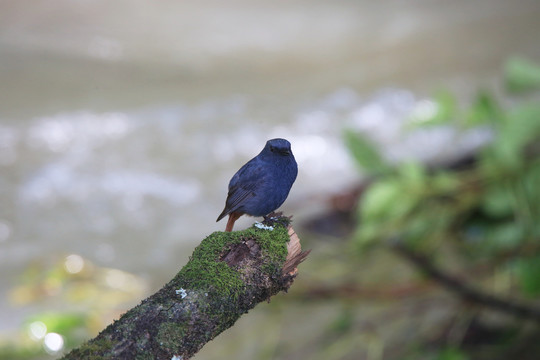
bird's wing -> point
(242, 186)
(238, 194)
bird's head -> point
(279, 147)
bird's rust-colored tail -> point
(232, 218)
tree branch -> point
(226, 276)
(464, 290)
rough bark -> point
(226, 276)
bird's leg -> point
(232, 218)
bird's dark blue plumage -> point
(262, 184)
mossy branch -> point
(226, 276)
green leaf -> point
(484, 110)
(506, 236)
(520, 128)
(380, 198)
(367, 234)
(385, 209)
(498, 201)
(524, 122)
(419, 229)
(446, 107)
(521, 75)
(365, 153)
(413, 174)
(445, 182)
(529, 275)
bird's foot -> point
(276, 218)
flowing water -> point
(122, 122)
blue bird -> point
(262, 184)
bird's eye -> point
(272, 149)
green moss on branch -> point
(226, 276)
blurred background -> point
(122, 122)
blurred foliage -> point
(486, 211)
(365, 154)
(83, 299)
(522, 75)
